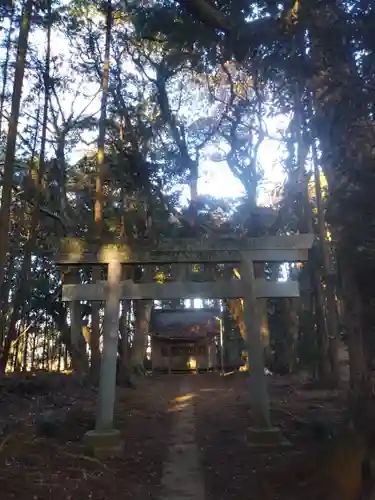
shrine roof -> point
(184, 323)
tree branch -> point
(42, 209)
(206, 13)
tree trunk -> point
(21, 293)
(353, 323)
(324, 368)
(4, 301)
(124, 369)
(95, 331)
(73, 336)
(345, 131)
(60, 357)
(79, 359)
(33, 349)
(98, 208)
(10, 150)
(291, 334)
(19, 299)
(265, 331)
(66, 360)
(124, 331)
(17, 350)
(26, 349)
(332, 316)
(142, 310)
(100, 161)
(311, 294)
(45, 346)
(193, 185)
(13, 260)
(8, 46)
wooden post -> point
(254, 347)
(107, 382)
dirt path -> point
(182, 474)
(184, 439)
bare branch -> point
(58, 103)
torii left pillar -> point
(105, 440)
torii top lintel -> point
(294, 248)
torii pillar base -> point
(265, 437)
(103, 444)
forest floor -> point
(179, 429)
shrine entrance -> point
(227, 253)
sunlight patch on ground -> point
(181, 402)
(186, 397)
(178, 407)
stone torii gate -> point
(105, 439)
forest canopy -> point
(111, 113)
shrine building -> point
(184, 339)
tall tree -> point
(39, 178)
(10, 151)
(100, 177)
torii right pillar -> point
(262, 433)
